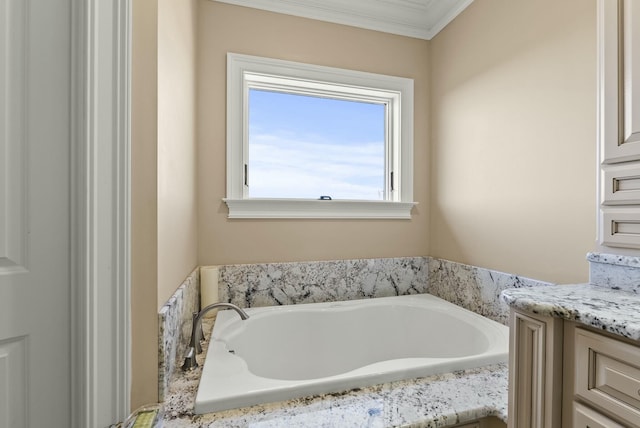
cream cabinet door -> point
(607, 375)
(619, 66)
(619, 122)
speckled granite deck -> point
(615, 311)
(435, 401)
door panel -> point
(34, 213)
(13, 383)
(12, 140)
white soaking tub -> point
(285, 352)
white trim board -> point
(307, 208)
(422, 19)
(100, 348)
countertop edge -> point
(602, 308)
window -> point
(306, 146)
(306, 141)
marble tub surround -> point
(615, 311)
(476, 289)
(271, 284)
(473, 288)
(174, 321)
(614, 271)
(435, 401)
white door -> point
(35, 213)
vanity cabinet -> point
(490, 422)
(563, 374)
(585, 417)
(535, 368)
(619, 122)
(606, 378)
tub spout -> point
(194, 348)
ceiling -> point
(422, 19)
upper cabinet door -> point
(619, 91)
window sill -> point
(311, 208)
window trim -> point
(245, 71)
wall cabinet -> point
(619, 67)
(619, 122)
(564, 374)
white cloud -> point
(290, 168)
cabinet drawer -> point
(607, 374)
(584, 417)
(620, 227)
(621, 184)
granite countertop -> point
(435, 401)
(604, 308)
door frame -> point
(100, 212)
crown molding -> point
(422, 19)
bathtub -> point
(285, 352)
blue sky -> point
(305, 147)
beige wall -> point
(513, 138)
(224, 28)
(144, 204)
(164, 238)
(177, 216)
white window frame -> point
(245, 72)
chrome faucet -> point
(194, 348)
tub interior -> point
(336, 340)
(293, 351)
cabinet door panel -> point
(607, 375)
(584, 417)
(619, 80)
